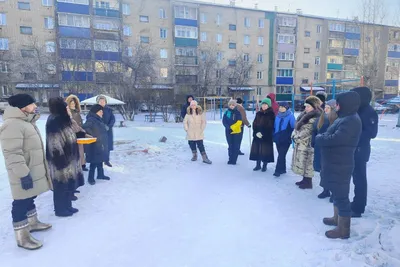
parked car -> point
(386, 108)
(251, 105)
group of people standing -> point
(330, 137)
(34, 169)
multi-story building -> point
(54, 47)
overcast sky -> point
(328, 8)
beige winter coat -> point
(194, 123)
(24, 153)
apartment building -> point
(53, 47)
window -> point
(285, 56)
(126, 9)
(25, 30)
(330, 75)
(352, 28)
(261, 23)
(129, 51)
(336, 27)
(306, 65)
(144, 18)
(219, 38)
(3, 44)
(349, 75)
(260, 40)
(317, 61)
(102, 4)
(284, 73)
(24, 5)
(354, 44)
(203, 18)
(259, 75)
(103, 26)
(74, 20)
(304, 81)
(218, 74)
(186, 52)
(162, 14)
(81, 44)
(307, 34)
(106, 45)
(232, 63)
(163, 53)
(50, 47)
(29, 75)
(4, 67)
(163, 33)
(203, 37)
(259, 90)
(218, 19)
(164, 72)
(246, 57)
(286, 39)
(246, 39)
(4, 90)
(186, 32)
(247, 22)
(183, 12)
(232, 45)
(335, 60)
(219, 56)
(336, 43)
(218, 91)
(144, 39)
(284, 89)
(247, 74)
(3, 19)
(319, 27)
(306, 50)
(260, 58)
(127, 30)
(396, 34)
(287, 21)
(49, 23)
(316, 76)
(232, 27)
(318, 44)
(47, 2)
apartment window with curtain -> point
(162, 13)
(316, 76)
(24, 6)
(126, 9)
(246, 39)
(260, 75)
(144, 19)
(4, 44)
(127, 30)
(50, 47)
(163, 33)
(260, 41)
(319, 28)
(184, 12)
(261, 23)
(25, 30)
(186, 32)
(219, 38)
(219, 56)
(163, 53)
(47, 2)
(203, 37)
(203, 18)
(3, 19)
(49, 23)
(260, 58)
(218, 19)
(318, 44)
(247, 22)
(246, 57)
(317, 60)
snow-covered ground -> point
(162, 210)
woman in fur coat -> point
(303, 154)
(62, 154)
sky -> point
(345, 9)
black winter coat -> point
(109, 120)
(338, 144)
(185, 106)
(98, 151)
(263, 148)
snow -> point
(162, 210)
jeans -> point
(281, 162)
(360, 186)
(21, 207)
(199, 144)
(340, 194)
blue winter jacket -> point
(231, 116)
(284, 127)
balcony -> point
(393, 54)
(72, 8)
(81, 76)
(106, 35)
(353, 36)
(391, 83)
(106, 12)
(284, 80)
(186, 22)
(287, 30)
(108, 56)
(334, 66)
(351, 52)
(335, 51)
(285, 64)
(108, 77)
(65, 31)
(182, 60)
(185, 42)
(186, 79)
(75, 54)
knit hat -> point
(232, 102)
(284, 104)
(332, 104)
(21, 100)
(96, 108)
(267, 101)
(239, 100)
(313, 101)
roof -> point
(157, 87)
(241, 88)
(110, 101)
(314, 88)
(28, 86)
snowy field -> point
(162, 210)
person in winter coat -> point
(109, 121)
(62, 154)
(338, 145)
(96, 153)
(185, 106)
(232, 122)
(320, 126)
(195, 124)
(303, 154)
(274, 104)
(369, 119)
(262, 148)
(322, 96)
(284, 126)
(75, 107)
(246, 122)
(26, 165)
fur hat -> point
(332, 104)
(96, 108)
(239, 100)
(314, 101)
(57, 106)
(267, 101)
(21, 100)
(232, 102)
(322, 96)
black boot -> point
(324, 194)
(277, 173)
(258, 166)
(74, 198)
(108, 164)
(264, 167)
(100, 173)
(241, 153)
(61, 200)
(91, 180)
(300, 182)
(307, 184)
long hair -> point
(332, 116)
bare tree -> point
(210, 73)
(239, 70)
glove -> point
(107, 128)
(27, 182)
(259, 135)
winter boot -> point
(241, 153)
(84, 168)
(205, 158)
(108, 164)
(307, 184)
(333, 221)
(342, 230)
(258, 166)
(324, 194)
(74, 198)
(24, 238)
(194, 157)
(301, 182)
(73, 210)
(100, 174)
(34, 224)
(264, 167)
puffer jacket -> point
(194, 124)
(24, 153)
